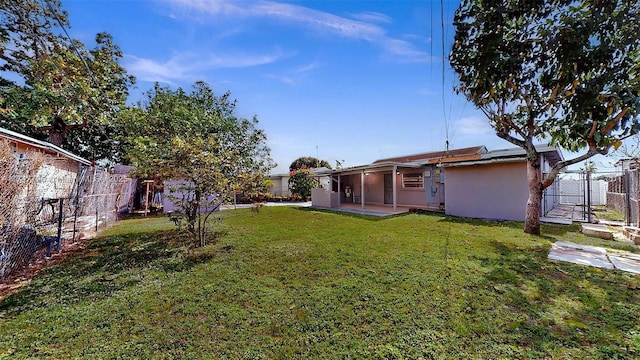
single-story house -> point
(470, 182)
(280, 182)
(58, 173)
(414, 180)
(495, 185)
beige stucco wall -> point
(280, 186)
(492, 191)
(374, 188)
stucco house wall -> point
(411, 196)
(490, 191)
(280, 185)
(374, 188)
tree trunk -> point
(534, 203)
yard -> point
(299, 283)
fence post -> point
(60, 215)
(588, 196)
(627, 199)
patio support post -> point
(362, 189)
(394, 175)
(339, 190)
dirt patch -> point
(23, 277)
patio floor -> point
(565, 214)
(379, 210)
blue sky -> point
(341, 80)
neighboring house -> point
(413, 180)
(495, 185)
(280, 186)
(58, 173)
(470, 182)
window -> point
(412, 181)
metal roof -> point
(434, 155)
(12, 135)
(553, 155)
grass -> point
(295, 283)
(607, 213)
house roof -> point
(416, 160)
(553, 155)
(17, 137)
(475, 150)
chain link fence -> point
(46, 202)
(623, 196)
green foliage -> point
(559, 68)
(67, 92)
(308, 162)
(301, 182)
(197, 139)
(291, 283)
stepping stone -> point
(580, 254)
(597, 230)
(626, 262)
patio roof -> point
(386, 166)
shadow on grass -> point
(106, 265)
(547, 230)
(563, 304)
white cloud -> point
(473, 126)
(371, 16)
(189, 66)
(361, 29)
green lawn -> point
(298, 283)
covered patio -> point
(383, 187)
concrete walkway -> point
(284, 203)
(595, 256)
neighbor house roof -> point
(42, 145)
(553, 155)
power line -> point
(73, 45)
(444, 107)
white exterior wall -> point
(56, 179)
(491, 191)
(280, 186)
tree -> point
(197, 139)
(308, 162)
(565, 70)
(63, 88)
(301, 182)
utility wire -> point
(73, 45)
(444, 107)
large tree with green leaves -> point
(197, 138)
(60, 90)
(563, 70)
(308, 162)
(301, 182)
